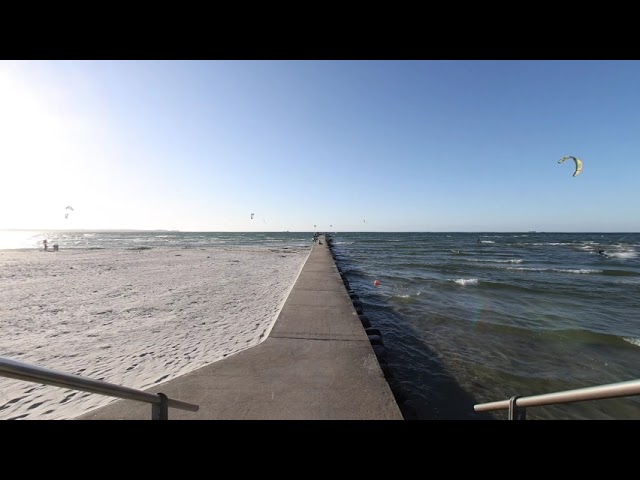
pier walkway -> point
(316, 364)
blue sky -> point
(343, 145)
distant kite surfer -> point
(602, 252)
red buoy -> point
(377, 283)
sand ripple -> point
(136, 318)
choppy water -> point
(477, 317)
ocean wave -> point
(620, 273)
(625, 255)
(407, 295)
(586, 336)
(629, 280)
(465, 281)
(576, 270)
(557, 270)
(490, 260)
(511, 287)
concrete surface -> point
(316, 364)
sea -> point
(468, 318)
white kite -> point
(577, 161)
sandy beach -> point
(135, 318)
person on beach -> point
(44, 242)
(55, 247)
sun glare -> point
(33, 145)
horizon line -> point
(295, 231)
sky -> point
(420, 146)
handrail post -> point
(516, 412)
(160, 411)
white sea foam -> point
(466, 281)
(557, 270)
(576, 270)
(625, 255)
(632, 340)
(495, 260)
(417, 294)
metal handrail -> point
(517, 405)
(30, 373)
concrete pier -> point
(316, 364)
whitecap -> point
(466, 281)
(627, 254)
(576, 270)
(495, 260)
(632, 340)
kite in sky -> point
(577, 161)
